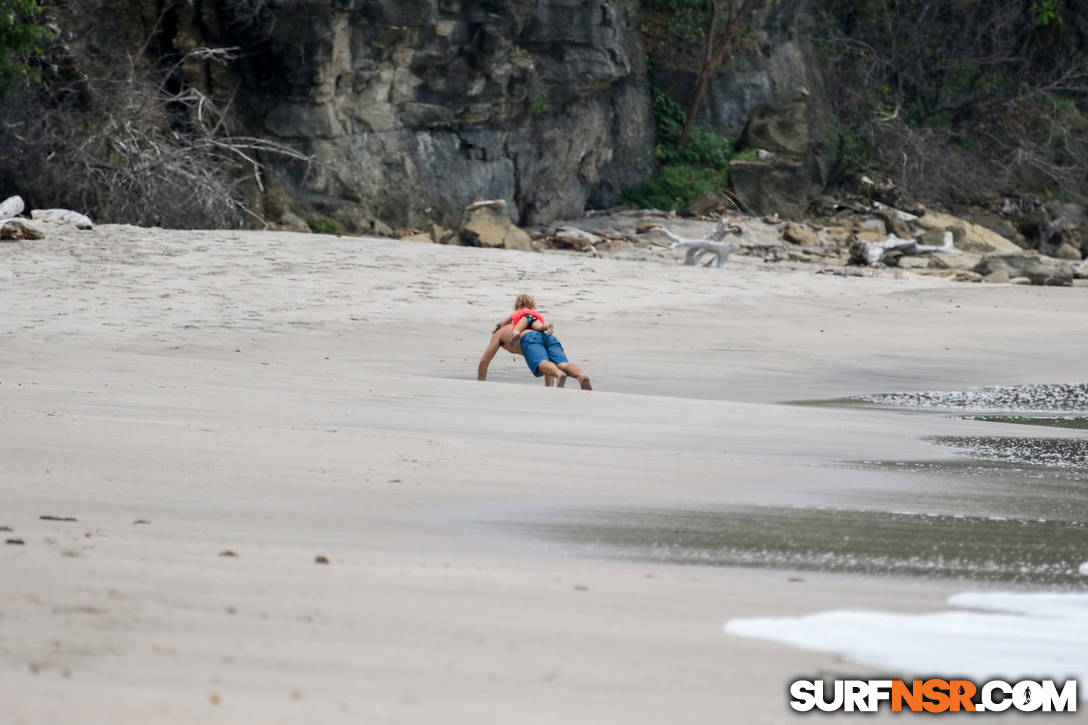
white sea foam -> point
(1019, 636)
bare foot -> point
(562, 381)
(584, 382)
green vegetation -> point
(324, 225)
(700, 35)
(684, 172)
(673, 186)
(542, 99)
(21, 37)
(1045, 12)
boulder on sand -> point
(487, 225)
(975, 238)
(962, 260)
(16, 229)
(1031, 265)
(799, 234)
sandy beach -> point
(284, 397)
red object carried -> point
(526, 312)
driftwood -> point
(904, 215)
(63, 216)
(11, 207)
(712, 243)
(862, 252)
(610, 235)
(647, 213)
(499, 204)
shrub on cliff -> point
(674, 185)
(684, 171)
(21, 36)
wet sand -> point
(284, 397)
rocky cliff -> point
(412, 109)
(770, 96)
(409, 110)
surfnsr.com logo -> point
(933, 695)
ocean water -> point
(1049, 421)
(1071, 453)
(1016, 550)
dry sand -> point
(287, 396)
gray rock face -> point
(414, 108)
(777, 186)
(782, 72)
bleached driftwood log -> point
(11, 207)
(490, 204)
(712, 243)
(63, 216)
(904, 215)
(638, 213)
(862, 252)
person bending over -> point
(543, 354)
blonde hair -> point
(524, 301)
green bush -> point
(20, 37)
(668, 117)
(674, 185)
(705, 147)
(684, 172)
(324, 225)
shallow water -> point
(1014, 510)
(1015, 550)
(984, 487)
(1042, 397)
(1066, 453)
(1077, 423)
(1018, 635)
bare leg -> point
(549, 381)
(577, 373)
(550, 371)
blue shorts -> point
(538, 347)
